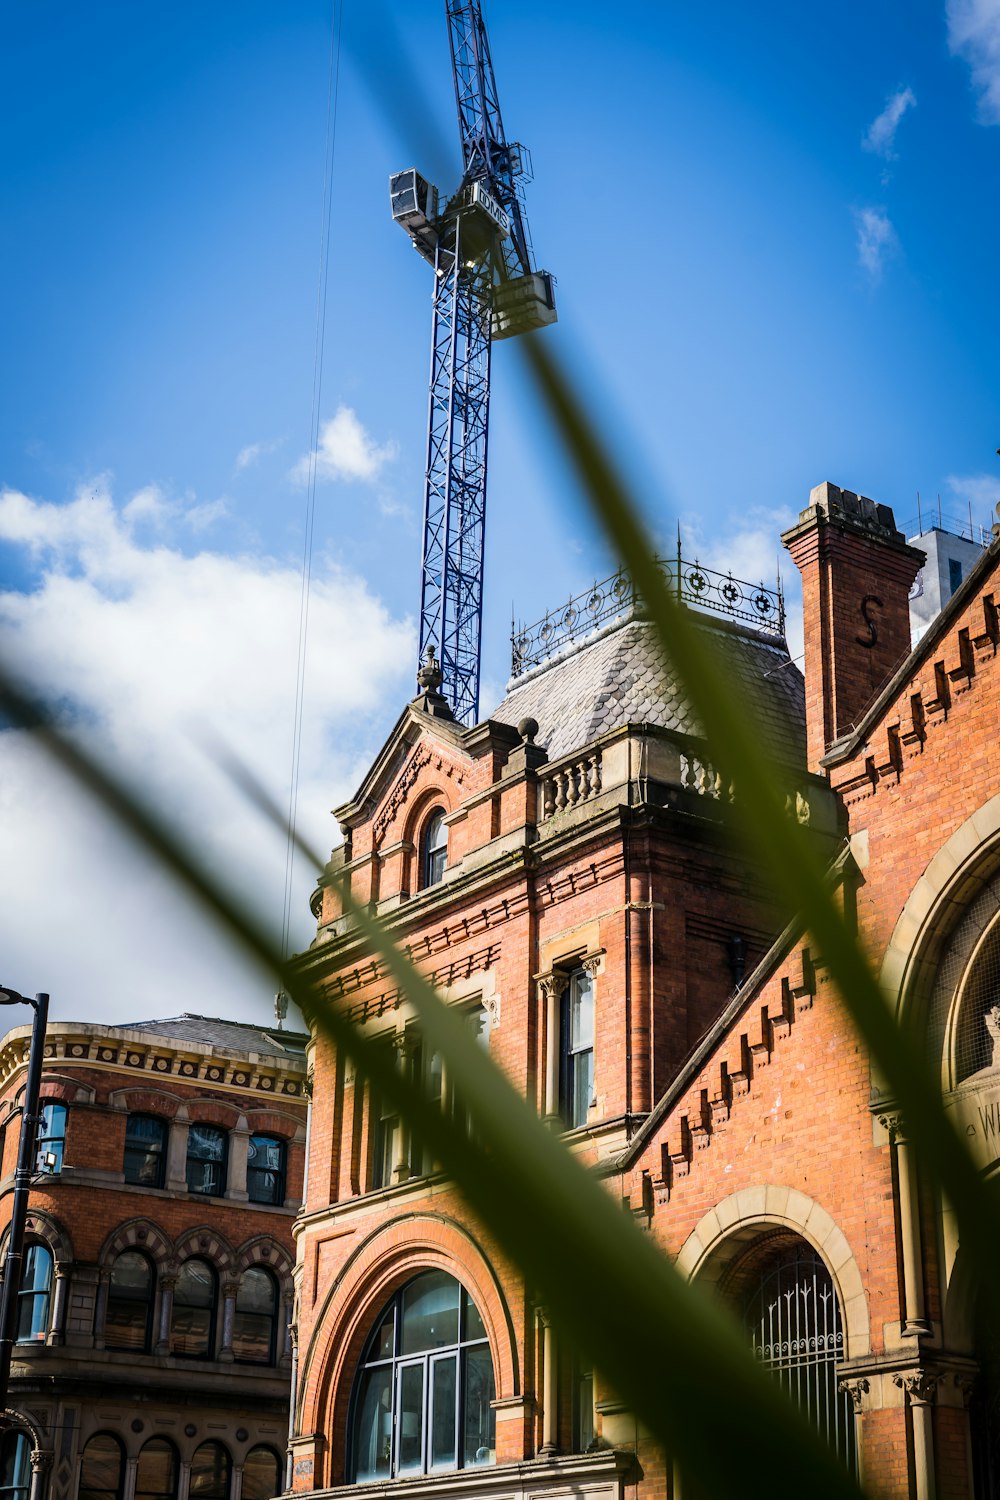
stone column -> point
(239, 1147)
(915, 1323)
(236, 1488)
(177, 1150)
(401, 1155)
(167, 1284)
(229, 1291)
(550, 1389)
(184, 1481)
(101, 1308)
(131, 1465)
(857, 1390)
(286, 1333)
(921, 1388)
(41, 1467)
(60, 1299)
(550, 988)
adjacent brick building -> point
(154, 1351)
(561, 871)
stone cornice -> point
(156, 1061)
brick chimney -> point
(857, 571)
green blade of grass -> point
(666, 1351)
(779, 845)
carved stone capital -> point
(892, 1122)
(41, 1461)
(231, 1288)
(550, 986)
(856, 1389)
(592, 964)
(920, 1386)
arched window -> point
(266, 1169)
(791, 1315)
(254, 1320)
(128, 1318)
(211, 1472)
(51, 1136)
(192, 1324)
(207, 1153)
(102, 1468)
(424, 1391)
(434, 848)
(261, 1474)
(33, 1298)
(145, 1151)
(156, 1471)
(15, 1466)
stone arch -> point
(67, 1090)
(390, 1256)
(208, 1244)
(45, 1227)
(964, 862)
(729, 1228)
(140, 1099)
(267, 1253)
(11, 1417)
(137, 1234)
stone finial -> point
(429, 679)
(429, 674)
(528, 729)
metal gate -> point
(791, 1315)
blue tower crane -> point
(485, 288)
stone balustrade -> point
(570, 783)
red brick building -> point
(153, 1350)
(560, 871)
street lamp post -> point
(22, 1180)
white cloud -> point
(345, 451)
(250, 455)
(974, 36)
(980, 491)
(881, 136)
(144, 649)
(876, 239)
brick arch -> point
(728, 1229)
(213, 1112)
(276, 1122)
(66, 1090)
(44, 1226)
(207, 1244)
(266, 1252)
(137, 1234)
(145, 1101)
(385, 1261)
(962, 865)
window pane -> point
(51, 1137)
(479, 1441)
(384, 1342)
(581, 1011)
(126, 1323)
(411, 1418)
(145, 1154)
(253, 1323)
(101, 1468)
(191, 1327)
(475, 1328)
(210, 1468)
(266, 1169)
(374, 1426)
(261, 1474)
(206, 1160)
(582, 1075)
(33, 1298)
(156, 1472)
(444, 1390)
(15, 1466)
(430, 1313)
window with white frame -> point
(576, 1048)
(424, 1392)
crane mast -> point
(485, 288)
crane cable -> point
(336, 26)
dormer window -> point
(435, 848)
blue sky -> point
(774, 230)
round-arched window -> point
(130, 1302)
(261, 1474)
(211, 1473)
(156, 1471)
(15, 1466)
(254, 1317)
(102, 1468)
(33, 1297)
(424, 1390)
(435, 848)
(791, 1315)
(192, 1325)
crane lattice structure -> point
(485, 288)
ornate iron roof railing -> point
(701, 587)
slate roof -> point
(232, 1036)
(615, 677)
